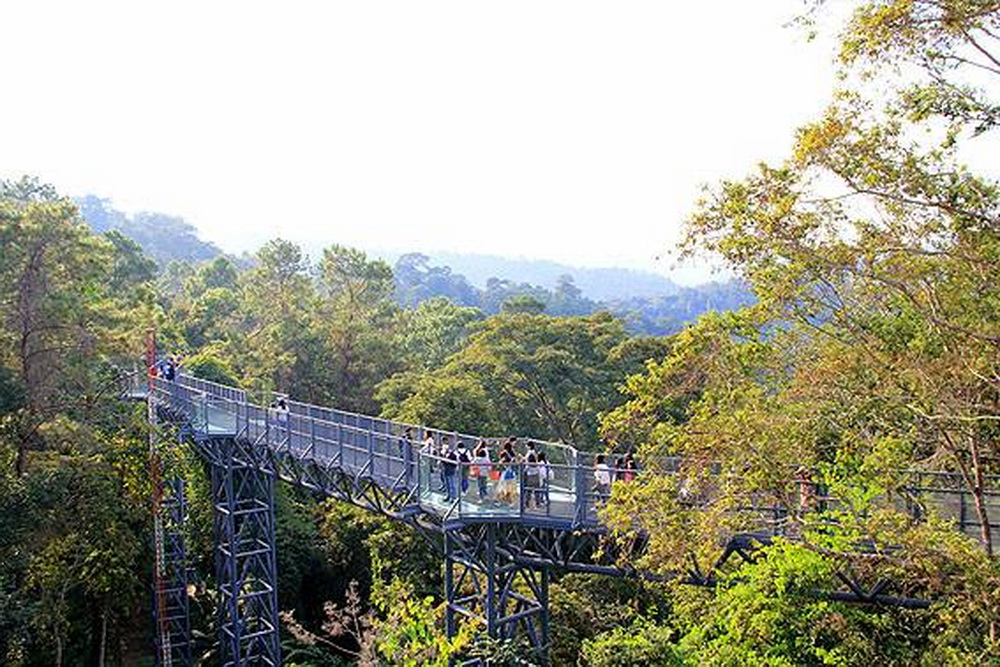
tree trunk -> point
(978, 495)
(102, 651)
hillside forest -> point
(861, 343)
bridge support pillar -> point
(485, 583)
(245, 557)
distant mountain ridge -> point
(165, 238)
(599, 284)
(648, 302)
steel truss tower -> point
(170, 608)
(484, 582)
(245, 555)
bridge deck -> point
(376, 449)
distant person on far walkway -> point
(544, 477)
(280, 408)
(430, 450)
(405, 441)
(406, 451)
(629, 467)
(169, 370)
(602, 477)
(508, 448)
(619, 469)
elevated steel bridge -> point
(498, 554)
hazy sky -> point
(575, 131)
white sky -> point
(575, 131)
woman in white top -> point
(602, 477)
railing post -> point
(579, 492)
(520, 486)
(371, 450)
(312, 437)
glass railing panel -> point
(377, 446)
(354, 449)
(199, 413)
(256, 422)
(431, 484)
(551, 495)
(220, 416)
(389, 458)
(325, 445)
(479, 493)
(298, 433)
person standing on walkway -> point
(444, 453)
(450, 471)
(481, 468)
(464, 459)
(169, 370)
(544, 477)
(602, 477)
(532, 484)
(629, 466)
(507, 485)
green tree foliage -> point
(641, 644)
(435, 330)
(519, 373)
(522, 303)
(74, 539)
(55, 304)
(359, 324)
(872, 349)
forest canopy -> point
(866, 354)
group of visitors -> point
(166, 367)
(458, 469)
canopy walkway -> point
(498, 553)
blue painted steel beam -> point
(245, 556)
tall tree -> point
(52, 287)
(359, 324)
